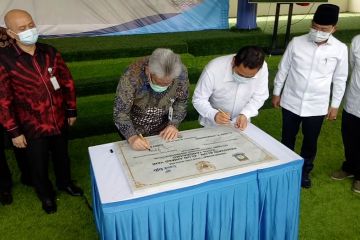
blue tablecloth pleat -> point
(279, 189)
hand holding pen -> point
(222, 117)
(138, 142)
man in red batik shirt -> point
(37, 104)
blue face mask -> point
(240, 79)
(157, 88)
(28, 37)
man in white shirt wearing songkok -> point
(350, 127)
(232, 88)
(310, 65)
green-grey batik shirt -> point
(140, 110)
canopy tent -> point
(121, 17)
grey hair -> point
(164, 62)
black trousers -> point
(39, 152)
(22, 162)
(311, 127)
(5, 175)
(350, 129)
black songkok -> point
(326, 14)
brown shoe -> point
(341, 175)
(356, 186)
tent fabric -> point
(121, 17)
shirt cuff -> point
(175, 124)
(71, 113)
(15, 132)
(335, 103)
(277, 91)
(129, 133)
(211, 115)
(246, 114)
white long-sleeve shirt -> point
(216, 89)
(306, 73)
(352, 96)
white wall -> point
(233, 8)
(270, 8)
(354, 6)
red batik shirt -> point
(29, 103)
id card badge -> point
(55, 83)
(171, 111)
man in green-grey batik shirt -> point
(151, 98)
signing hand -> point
(169, 133)
(71, 121)
(332, 113)
(222, 118)
(138, 143)
(276, 101)
(241, 122)
(19, 142)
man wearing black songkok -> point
(313, 66)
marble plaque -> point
(195, 153)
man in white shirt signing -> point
(232, 88)
(311, 64)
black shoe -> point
(49, 205)
(305, 182)
(72, 189)
(6, 197)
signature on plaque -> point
(205, 166)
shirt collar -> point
(228, 77)
(331, 40)
(19, 51)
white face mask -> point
(319, 36)
(240, 79)
(28, 37)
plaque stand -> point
(274, 49)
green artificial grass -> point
(198, 43)
(102, 76)
(329, 210)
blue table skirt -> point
(262, 204)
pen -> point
(142, 138)
(224, 113)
